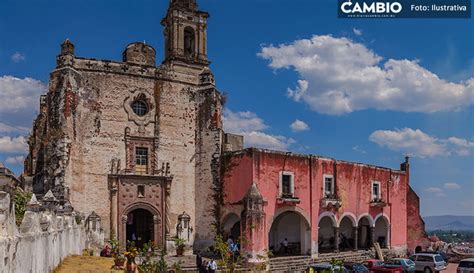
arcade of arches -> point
(350, 234)
(290, 233)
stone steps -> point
(301, 263)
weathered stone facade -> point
(112, 137)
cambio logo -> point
(349, 7)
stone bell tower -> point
(185, 33)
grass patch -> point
(89, 264)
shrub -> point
(21, 199)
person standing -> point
(284, 244)
(212, 266)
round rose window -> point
(140, 108)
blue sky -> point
(355, 89)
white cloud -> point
(416, 143)
(359, 149)
(252, 128)
(5, 128)
(13, 144)
(243, 121)
(299, 125)
(18, 57)
(14, 160)
(436, 191)
(19, 95)
(357, 31)
(463, 145)
(267, 141)
(339, 76)
(451, 186)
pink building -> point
(306, 204)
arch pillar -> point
(123, 233)
(336, 239)
(372, 236)
(356, 238)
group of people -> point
(211, 266)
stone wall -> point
(45, 237)
(415, 225)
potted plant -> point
(148, 261)
(119, 258)
(130, 254)
(180, 245)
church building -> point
(141, 144)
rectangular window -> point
(376, 195)
(286, 184)
(328, 185)
(141, 160)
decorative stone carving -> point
(183, 228)
(45, 221)
(331, 201)
(49, 201)
(140, 53)
(33, 204)
(140, 95)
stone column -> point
(113, 208)
(156, 230)
(388, 240)
(123, 233)
(336, 239)
(167, 210)
(372, 237)
(356, 238)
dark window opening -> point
(328, 186)
(286, 185)
(189, 42)
(140, 108)
(141, 191)
(375, 191)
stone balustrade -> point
(46, 236)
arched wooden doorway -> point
(141, 223)
(140, 227)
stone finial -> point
(49, 197)
(67, 47)
(49, 201)
(66, 208)
(253, 192)
(33, 204)
(207, 77)
(93, 221)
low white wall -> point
(43, 240)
